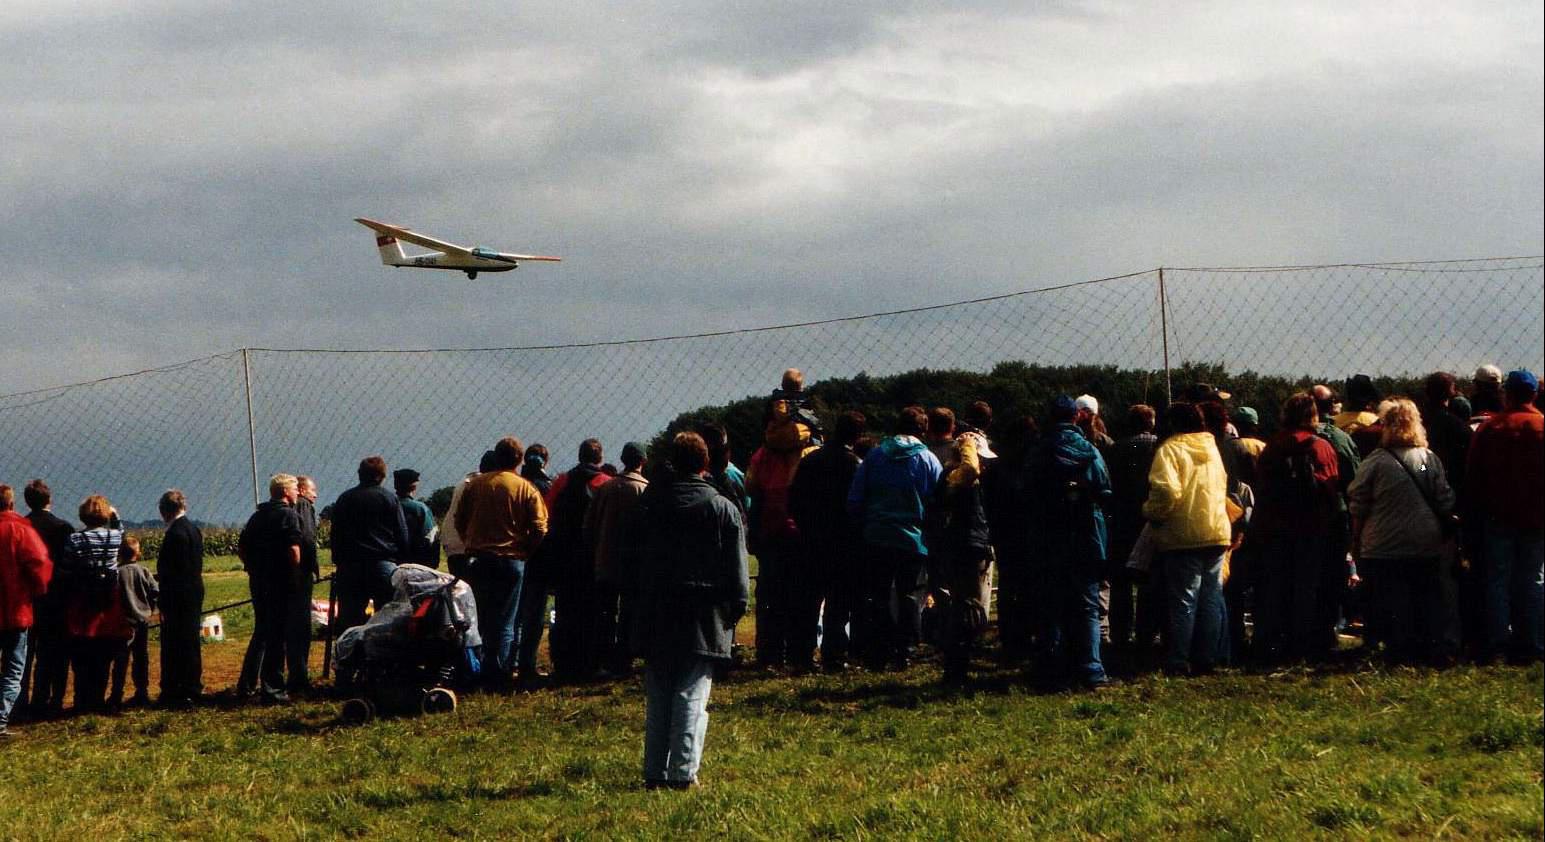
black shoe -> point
(278, 697)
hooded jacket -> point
(1070, 488)
(694, 584)
(1187, 487)
(889, 491)
(24, 570)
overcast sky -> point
(179, 177)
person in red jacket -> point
(24, 573)
(1505, 492)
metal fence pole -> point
(1169, 395)
(246, 374)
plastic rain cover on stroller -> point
(428, 611)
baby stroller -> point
(403, 659)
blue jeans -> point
(13, 660)
(1071, 637)
(1515, 589)
(675, 717)
(1195, 580)
(496, 584)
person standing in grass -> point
(694, 589)
(1506, 492)
(1298, 518)
(572, 640)
(180, 568)
(607, 524)
(1402, 507)
(502, 521)
(138, 594)
(25, 569)
(370, 536)
(1069, 489)
(889, 492)
(48, 645)
(297, 619)
(829, 542)
(1187, 487)
(270, 550)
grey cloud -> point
(182, 181)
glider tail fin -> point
(391, 250)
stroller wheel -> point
(357, 711)
(439, 700)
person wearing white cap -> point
(1486, 391)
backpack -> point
(1295, 478)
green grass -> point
(1398, 753)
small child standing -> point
(137, 594)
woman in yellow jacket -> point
(1186, 505)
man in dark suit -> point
(180, 569)
(270, 550)
(48, 656)
(297, 644)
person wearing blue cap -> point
(1505, 491)
(1069, 487)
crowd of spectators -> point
(1191, 544)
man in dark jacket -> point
(297, 640)
(887, 498)
(575, 651)
(694, 590)
(829, 544)
(269, 548)
(1297, 517)
(1130, 460)
(369, 537)
(423, 535)
(48, 653)
(1070, 490)
(180, 571)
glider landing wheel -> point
(357, 711)
(439, 700)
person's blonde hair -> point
(95, 511)
(278, 483)
(1402, 424)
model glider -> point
(389, 240)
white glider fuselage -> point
(389, 239)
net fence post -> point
(246, 376)
(1169, 395)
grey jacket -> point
(1397, 520)
(694, 585)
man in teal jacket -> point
(888, 496)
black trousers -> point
(182, 661)
(840, 567)
(297, 631)
(894, 581)
(775, 571)
(263, 667)
(574, 640)
(48, 657)
(91, 658)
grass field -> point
(1399, 753)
